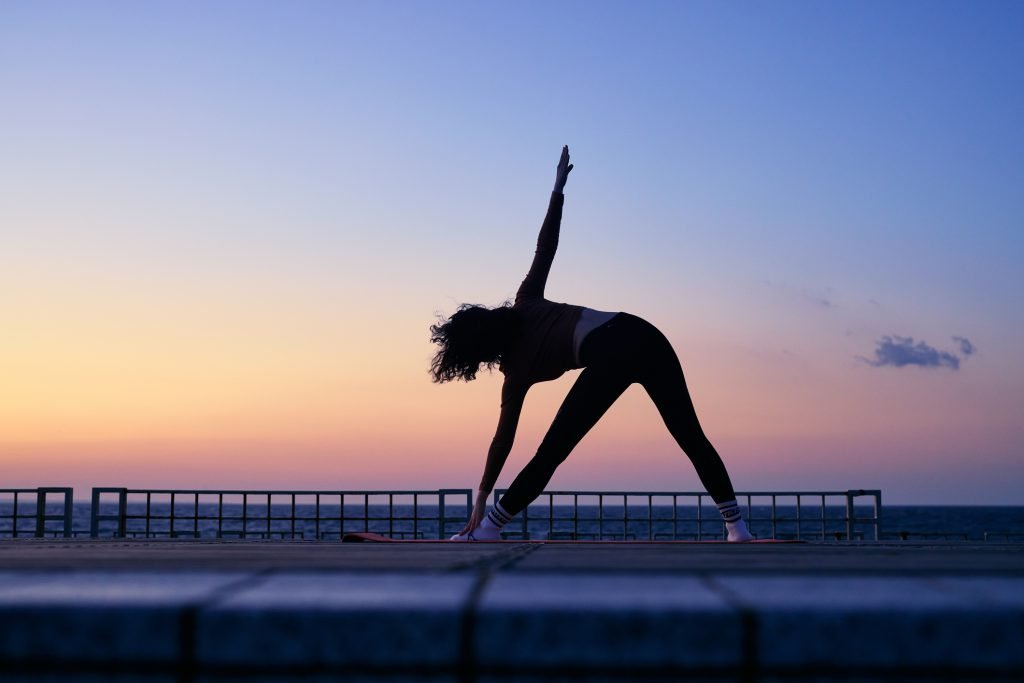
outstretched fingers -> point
(564, 167)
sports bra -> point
(588, 322)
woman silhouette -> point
(536, 340)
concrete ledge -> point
(498, 622)
(338, 620)
(557, 620)
(50, 619)
(849, 623)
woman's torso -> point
(550, 339)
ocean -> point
(586, 522)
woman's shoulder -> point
(534, 303)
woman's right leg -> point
(590, 397)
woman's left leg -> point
(664, 382)
(662, 378)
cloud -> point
(899, 352)
(966, 347)
(819, 297)
(822, 297)
(820, 300)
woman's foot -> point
(481, 533)
(736, 532)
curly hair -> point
(473, 336)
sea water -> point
(583, 522)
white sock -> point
(730, 510)
(735, 527)
(496, 518)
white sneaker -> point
(737, 532)
(478, 534)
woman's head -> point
(472, 336)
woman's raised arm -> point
(547, 240)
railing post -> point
(878, 513)
(40, 512)
(69, 512)
(122, 513)
(775, 526)
(468, 493)
(94, 514)
(440, 515)
(849, 513)
(66, 514)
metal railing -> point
(26, 513)
(322, 515)
(631, 515)
(319, 515)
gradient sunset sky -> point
(226, 227)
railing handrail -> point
(704, 494)
(278, 492)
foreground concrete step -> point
(499, 624)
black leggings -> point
(624, 350)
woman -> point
(536, 340)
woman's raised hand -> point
(562, 172)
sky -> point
(225, 229)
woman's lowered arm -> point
(547, 241)
(512, 398)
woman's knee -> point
(696, 444)
(552, 452)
